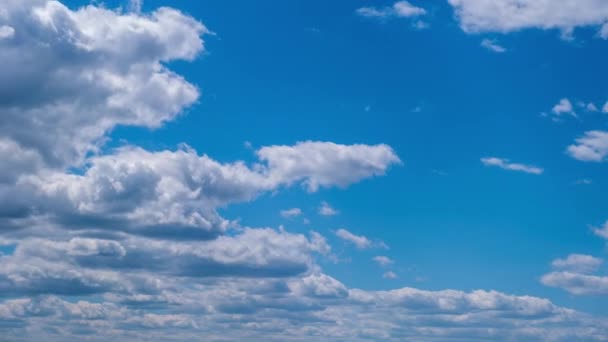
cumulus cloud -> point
(324, 164)
(123, 243)
(400, 9)
(508, 165)
(327, 210)
(578, 263)
(573, 275)
(76, 74)
(563, 107)
(591, 147)
(505, 16)
(577, 283)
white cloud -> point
(293, 212)
(602, 231)
(605, 108)
(577, 283)
(383, 260)
(507, 165)
(592, 147)
(563, 107)
(513, 15)
(324, 164)
(390, 275)
(326, 210)
(492, 45)
(400, 9)
(6, 32)
(109, 72)
(360, 241)
(578, 263)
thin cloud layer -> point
(508, 165)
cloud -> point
(492, 45)
(507, 165)
(324, 164)
(577, 283)
(563, 107)
(293, 212)
(326, 210)
(578, 263)
(572, 275)
(602, 231)
(383, 260)
(101, 69)
(120, 244)
(390, 275)
(506, 16)
(592, 147)
(6, 32)
(360, 241)
(400, 9)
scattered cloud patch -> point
(400, 9)
(492, 45)
(293, 212)
(591, 147)
(327, 210)
(360, 241)
(383, 260)
(579, 263)
(564, 107)
(390, 275)
(602, 231)
(507, 165)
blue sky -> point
(160, 158)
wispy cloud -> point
(492, 45)
(293, 212)
(507, 165)
(400, 9)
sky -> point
(357, 170)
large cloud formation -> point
(513, 15)
(123, 244)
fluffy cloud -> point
(324, 164)
(577, 283)
(126, 243)
(592, 147)
(563, 107)
(572, 275)
(602, 231)
(327, 210)
(512, 15)
(578, 263)
(507, 165)
(76, 74)
(400, 9)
